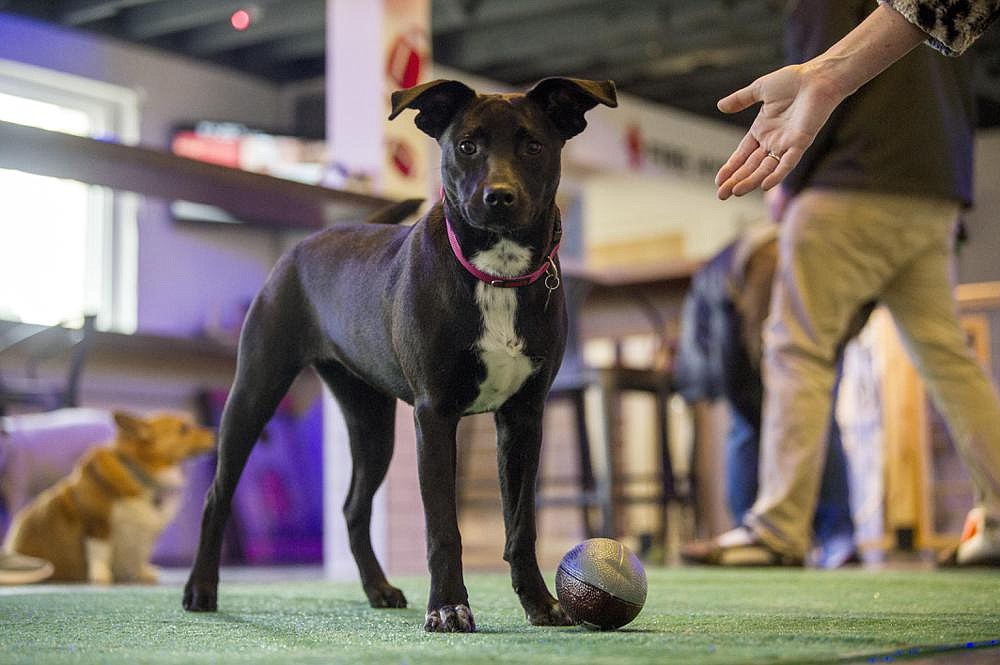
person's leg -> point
(836, 252)
(742, 453)
(833, 525)
(744, 392)
(921, 300)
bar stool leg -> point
(607, 483)
(586, 463)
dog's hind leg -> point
(268, 363)
(370, 418)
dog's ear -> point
(437, 102)
(131, 426)
(566, 100)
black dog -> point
(459, 314)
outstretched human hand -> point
(796, 101)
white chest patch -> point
(500, 348)
(137, 522)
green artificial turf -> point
(691, 615)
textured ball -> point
(601, 584)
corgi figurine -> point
(100, 523)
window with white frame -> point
(67, 249)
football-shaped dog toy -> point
(601, 584)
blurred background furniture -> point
(25, 350)
(607, 488)
(253, 197)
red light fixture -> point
(240, 20)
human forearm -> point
(865, 52)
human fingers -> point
(748, 180)
(741, 99)
(789, 159)
(739, 157)
(749, 166)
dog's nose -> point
(499, 196)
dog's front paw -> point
(199, 598)
(450, 619)
(549, 613)
(149, 574)
(100, 574)
(385, 595)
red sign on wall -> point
(405, 59)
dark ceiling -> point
(681, 53)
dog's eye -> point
(467, 147)
(534, 147)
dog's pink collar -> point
(548, 265)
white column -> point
(373, 48)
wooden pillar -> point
(904, 424)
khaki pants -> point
(837, 251)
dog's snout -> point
(499, 197)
